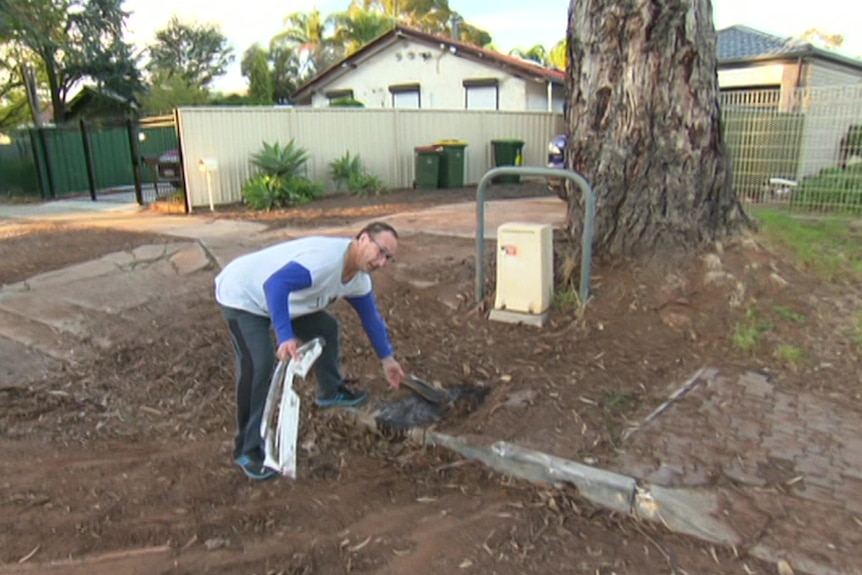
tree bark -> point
(645, 128)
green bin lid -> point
(450, 143)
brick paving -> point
(788, 465)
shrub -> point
(342, 169)
(265, 192)
(851, 144)
(299, 190)
(277, 160)
(364, 184)
(839, 188)
(346, 103)
(281, 183)
(350, 172)
(262, 192)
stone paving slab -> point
(46, 346)
(20, 361)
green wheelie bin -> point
(451, 163)
(507, 153)
(427, 167)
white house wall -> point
(439, 73)
(537, 97)
(385, 140)
(823, 73)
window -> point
(406, 96)
(482, 94)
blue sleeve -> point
(277, 288)
(372, 323)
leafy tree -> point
(536, 54)
(828, 41)
(644, 127)
(68, 42)
(472, 35)
(255, 67)
(197, 52)
(558, 57)
(13, 107)
(432, 16)
(171, 91)
(285, 72)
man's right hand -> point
(287, 350)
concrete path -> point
(788, 466)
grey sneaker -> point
(345, 397)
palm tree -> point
(357, 26)
(430, 16)
(305, 35)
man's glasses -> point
(386, 253)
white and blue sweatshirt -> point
(297, 278)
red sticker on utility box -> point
(509, 250)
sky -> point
(511, 23)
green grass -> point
(788, 314)
(566, 298)
(746, 335)
(620, 402)
(829, 247)
(789, 355)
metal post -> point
(88, 158)
(586, 237)
(136, 160)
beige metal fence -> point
(384, 139)
(800, 149)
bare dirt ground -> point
(122, 464)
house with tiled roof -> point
(408, 68)
(751, 59)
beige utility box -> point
(525, 273)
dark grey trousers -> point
(254, 354)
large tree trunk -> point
(645, 128)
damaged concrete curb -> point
(694, 512)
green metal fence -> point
(83, 158)
(799, 149)
(18, 177)
(762, 146)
